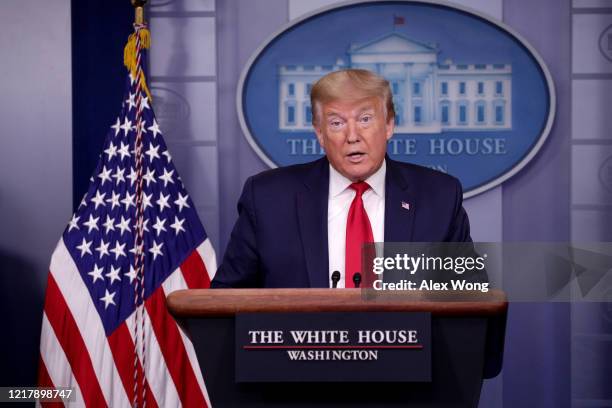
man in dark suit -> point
(300, 223)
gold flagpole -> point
(137, 42)
(139, 10)
(130, 58)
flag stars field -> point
(128, 200)
(132, 176)
(109, 224)
(152, 152)
(104, 175)
(155, 129)
(98, 199)
(126, 126)
(159, 226)
(156, 249)
(116, 127)
(73, 223)
(108, 298)
(150, 176)
(142, 127)
(123, 225)
(178, 225)
(102, 249)
(167, 177)
(131, 101)
(146, 200)
(118, 176)
(91, 224)
(124, 151)
(162, 201)
(96, 273)
(113, 201)
(84, 247)
(145, 103)
(113, 275)
(131, 274)
(181, 202)
(111, 151)
(118, 250)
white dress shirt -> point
(338, 205)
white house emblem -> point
(605, 43)
(472, 99)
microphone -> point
(335, 277)
(357, 279)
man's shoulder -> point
(288, 176)
(424, 178)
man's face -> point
(354, 136)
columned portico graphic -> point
(429, 96)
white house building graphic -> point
(429, 96)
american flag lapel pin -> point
(405, 205)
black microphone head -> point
(335, 277)
(357, 279)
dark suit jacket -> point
(280, 238)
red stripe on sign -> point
(173, 350)
(194, 271)
(122, 347)
(406, 347)
(69, 337)
(44, 380)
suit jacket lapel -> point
(399, 220)
(312, 216)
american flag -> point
(89, 324)
(398, 20)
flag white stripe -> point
(86, 316)
(55, 361)
(207, 253)
(176, 281)
(157, 373)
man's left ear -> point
(390, 127)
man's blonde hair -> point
(350, 85)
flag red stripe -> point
(194, 271)
(68, 334)
(44, 380)
(122, 347)
(173, 350)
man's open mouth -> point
(355, 156)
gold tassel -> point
(129, 56)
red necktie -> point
(358, 232)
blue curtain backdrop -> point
(99, 33)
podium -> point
(467, 342)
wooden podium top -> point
(227, 302)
